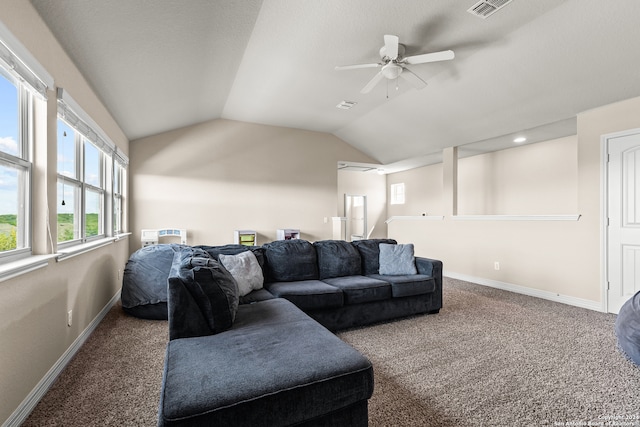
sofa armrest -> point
(433, 268)
(430, 267)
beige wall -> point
(534, 179)
(423, 186)
(33, 307)
(560, 258)
(223, 175)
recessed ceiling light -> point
(519, 139)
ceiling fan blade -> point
(413, 78)
(445, 55)
(374, 81)
(356, 66)
(391, 46)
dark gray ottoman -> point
(628, 328)
(274, 367)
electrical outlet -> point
(69, 317)
(496, 265)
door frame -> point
(604, 210)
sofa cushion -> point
(276, 366)
(203, 296)
(245, 269)
(408, 285)
(308, 294)
(256, 296)
(359, 289)
(290, 260)
(337, 258)
(370, 254)
(233, 249)
(397, 259)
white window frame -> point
(112, 160)
(82, 189)
(397, 194)
(33, 81)
(119, 187)
(23, 163)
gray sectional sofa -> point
(339, 284)
(249, 327)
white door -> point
(623, 234)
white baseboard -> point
(564, 299)
(30, 402)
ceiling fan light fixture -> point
(391, 71)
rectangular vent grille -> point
(346, 105)
(485, 8)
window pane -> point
(397, 194)
(117, 197)
(92, 165)
(93, 213)
(117, 214)
(66, 150)
(9, 204)
(117, 171)
(9, 122)
(68, 211)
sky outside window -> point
(91, 165)
(9, 125)
(66, 150)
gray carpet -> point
(490, 358)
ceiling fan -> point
(393, 63)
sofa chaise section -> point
(274, 366)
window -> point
(397, 194)
(119, 179)
(23, 83)
(15, 165)
(81, 187)
(91, 178)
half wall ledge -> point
(575, 217)
(416, 218)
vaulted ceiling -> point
(529, 68)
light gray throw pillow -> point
(244, 267)
(396, 260)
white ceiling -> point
(531, 67)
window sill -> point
(34, 262)
(118, 237)
(76, 250)
(23, 266)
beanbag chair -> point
(628, 328)
(144, 283)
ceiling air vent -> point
(485, 8)
(346, 105)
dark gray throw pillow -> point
(337, 258)
(290, 261)
(203, 296)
